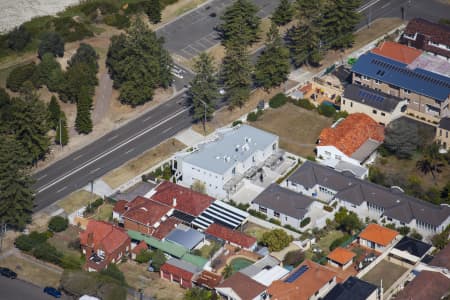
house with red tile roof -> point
(353, 140)
(103, 243)
(179, 271)
(341, 258)
(377, 237)
(308, 281)
(396, 51)
(233, 237)
(240, 286)
(427, 36)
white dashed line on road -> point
(61, 189)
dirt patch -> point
(225, 116)
(30, 271)
(144, 162)
(297, 128)
(76, 200)
(386, 271)
(138, 277)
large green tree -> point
(240, 24)
(45, 69)
(19, 75)
(347, 221)
(197, 293)
(54, 112)
(85, 54)
(51, 42)
(16, 195)
(18, 38)
(203, 91)
(283, 14)
(153, 10)
(138, 64)
(402, 138)
(236, 75)
(339, 21)
(276, 239)
(83, 121)
(79, 75)
(272, 67)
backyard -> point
(66, 241)
(255, 230)
(324, 243)
(297, 128)
(386, 271)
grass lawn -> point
(386, 271)
(31, 272)
(297, 128)
(255, 230)
(144, 162)
(207, 249)
(324, 243)
(104, 212)
(138, 277)
(61, 240)
(76, 200)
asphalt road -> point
(15, 289)
(93, 161)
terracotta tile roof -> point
(145, 211)
(381, 235)
(230, 235)
(427, 285)
(435, 32)
(169, 268)
(120, 206)
(305, 285)
(398, 52)
(209, 279)
(165, 228)
(141, 246)
(187, 200)
(341, 255)
(244, 286)
(350, 134)
(106, 236)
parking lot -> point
(194, 32)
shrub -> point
(305, 222)
(340, 114)
(158, 259)
(294, 258)
(287, 226)
(19, 75)
(252, 117)
(71, 262)
(305, 103)
(275, 221)
(113, 271)
(326, 110)
(337, 242)
(144, 256)
(415, 235)
(327, 208)
(257, 214)
(58, 224)
(278, 100)
(404, 230)
(117, 20)
(237, 122)
(24, 243)
(48, 253)
(276, 239)
(70, 30)
(311, 158)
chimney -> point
(174, 202)
(90, 239)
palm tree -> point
(227, 271)
(431, 162)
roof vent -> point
(144, 208)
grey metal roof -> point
(184, 265)
(366, 149)
(139, 189)
(188, 238)
(343, 166)
(231, 147)
(372, 98)
(284, 201)
(353, 288)
(267, 262)
(445, 123)
(395, 204)
(412, 246)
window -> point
(383, 114)
(343, 101)
(316, 293)
(440, 132)
(364, 77)
(276, 214)
(446, 134)
(377, 81)
(374, 111)
(407, 92)
(263, 209)
(331, 281)
(351, 104)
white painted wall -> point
(330, 156)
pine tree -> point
(16, 196)
(339, 21)
(203, 88)
(153, 10)
(240, 24)
(273, 65)
(44, 70)
(54, 112)
(283, 14)
(62, 134)
(237, 75)
(83, 122)
(51, 42)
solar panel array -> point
(371, 96)
(296, 274)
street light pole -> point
(60, 133)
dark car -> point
(52, 292)
(8, 273)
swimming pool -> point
(240, 263)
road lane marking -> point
(93, 171)
(129, 151)
(386, 5)
(146, 119)
(366, 6)
(112, 138)
(109, 151)
(165, 130)
(62, 189)
(41, 177)
(75, 158)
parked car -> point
(52, 292)
(8, 273)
